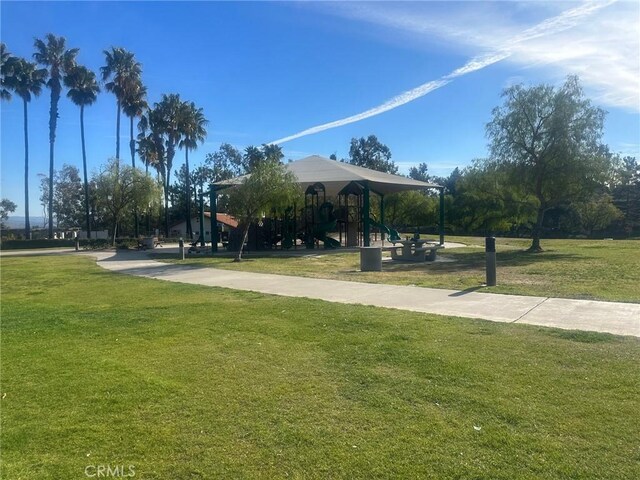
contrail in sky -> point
(564, 21)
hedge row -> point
(54, 243)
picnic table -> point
(148, 242)
(413, 250)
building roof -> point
(224, 218)
(336, 175)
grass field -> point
(189, 382)
(586, 269)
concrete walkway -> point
(610, 317)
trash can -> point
(370, 259)
(148, 242)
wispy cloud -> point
(604, 50)
(539, 44)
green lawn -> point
(587, 269)
(193, 382)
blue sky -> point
(268, 71)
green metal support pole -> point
(213, 200)
(382, 217)
(366, 228)
(441, 216)
(202, 219)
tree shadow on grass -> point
(516, 258)
(581, 336)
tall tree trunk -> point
(86, 178)
(171, 151)
(27, 221)
(132, 147)
(166, 203)
(245, 234)
(537, 228)
(118, 130)
(188, 196)
(537, 231)
(53, 122)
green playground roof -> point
(336, 175)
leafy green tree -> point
(370, 153)
(52, 53)
(120, 189)
(26, 81)
(6, 207)
(122, 73)
(269, 186)
(551, 138)
(420, 173)
(177, 198)
(201, 177)
(449, 183)
(83, 91)
(410, 209)
(226, 163)
(597, 213)
(626, 192)
(67, 197)
(488, 200)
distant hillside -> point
(16, 221)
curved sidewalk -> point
(610, 317)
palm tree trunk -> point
(86, 179)
(53, 122)
(132, 146)
(171, 151)
(27, 222)
(118, 131)
(166, 201)
(188, 196)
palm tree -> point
(134, 103)
(272, 152)
(6, 71)
(83, 91)
(193, 130)
(151, 148)
(26, 80)
(165, 121)
(54, 55)
(124, 71)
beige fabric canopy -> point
(336, 175)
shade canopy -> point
(336, 175)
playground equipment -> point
(392, 234)
(350, 214)
(319, 218)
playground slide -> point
(392, 235)
(320, 233)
